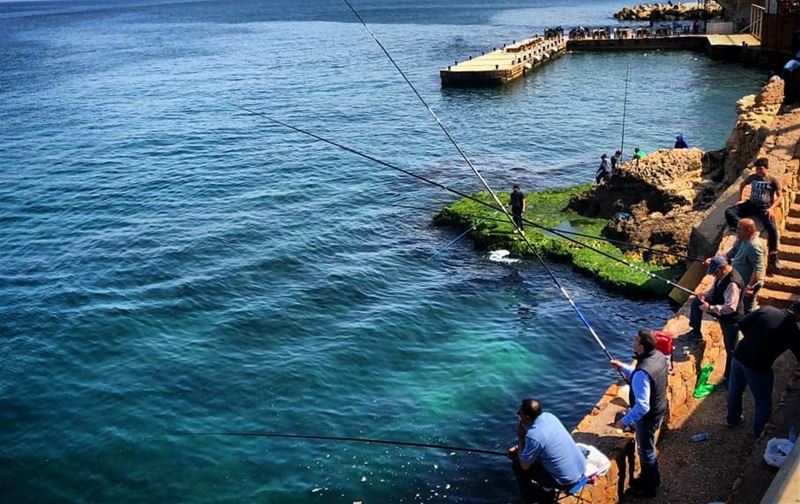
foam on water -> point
(502, 256)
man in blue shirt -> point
(546, 454)
(648, 400)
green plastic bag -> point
(703, 388)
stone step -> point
(790, 238)
(789, 252)
(794, 211)
(793, 224)
(778, 299)
(783, 283)
(789, 269)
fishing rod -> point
(341, 438)
(448, 189)
(625, 108)
(500, 205)
(488, 188)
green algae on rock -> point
(549, 208)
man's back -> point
(768, 332)
(548, 443)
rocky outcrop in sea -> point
(669, 12)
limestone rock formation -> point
(756, 113)
(655, 201)
(668, 12)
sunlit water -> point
(172, 263)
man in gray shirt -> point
(747, 257)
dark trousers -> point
(517, 215)
(730, 331)
(531, 480)
(747, 209)
(760, 385)
(646, 429)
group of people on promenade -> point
(547, 460)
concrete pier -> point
(505, 64)
(511, 62)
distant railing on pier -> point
(756, 20)
(674, 29)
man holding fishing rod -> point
(546, 454)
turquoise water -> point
(171, 263)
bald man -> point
(747, 258)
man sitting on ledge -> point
(765, 196)
(546, 454)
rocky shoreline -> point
(658, 202)
(669, 12)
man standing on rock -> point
(765, 196)
(768, 332)
(648, 400)
(604, 171)
(724, 301)
(546, 454)
(517, 201)
(616, 159)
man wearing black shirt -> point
(768, 332)
(765, 196)
(517, 199)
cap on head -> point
(516, 186)
(604, 156)
(762, 162)
(716, 263)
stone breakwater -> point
(668, 12)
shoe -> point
(642, 492)
(737, 423)
(773, 264)
(692, 335)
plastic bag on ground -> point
(778, 449)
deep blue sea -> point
(170, 262)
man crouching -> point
(546, 454)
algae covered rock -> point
(491, 230)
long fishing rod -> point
(448, 189)
(500, 205)
(625, 108)
(488, 188)
(341, 438)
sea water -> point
(172, 263)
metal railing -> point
(756, 20)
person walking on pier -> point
(604, 171)
(765, 196)
(517, 201)
(648, 400)
(768, 332)
(546, 454)
(724, 301)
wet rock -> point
(668, 12)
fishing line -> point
(624, 108)
(450, 189)
(341, 438)
(488, 188)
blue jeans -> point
(760, 383)
(730, 332)
(646, 444)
